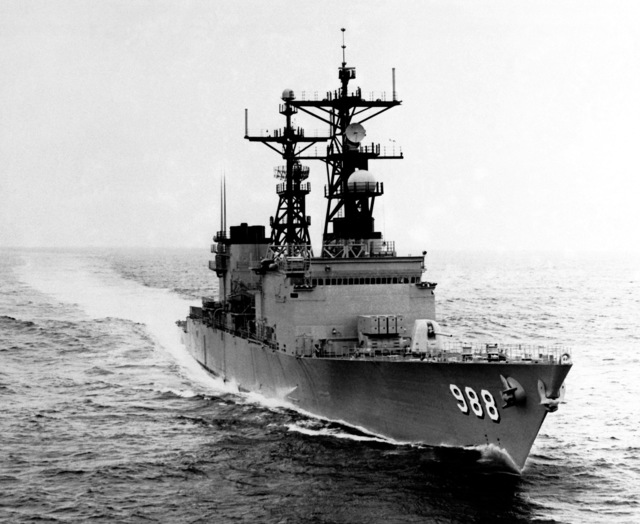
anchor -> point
(550, 403)
(513, 393)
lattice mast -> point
(349, 224)
(290, 225)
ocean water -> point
(104, 417)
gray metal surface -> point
(407, 400)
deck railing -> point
(461, 352)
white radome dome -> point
(359, 178)
(288, 94)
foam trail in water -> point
(330, 432)
(101, 293)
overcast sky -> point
(520, 121)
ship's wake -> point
(482, 459)
(322, 428)
(97, 292)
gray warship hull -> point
(404, 399)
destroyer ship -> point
(350, 334)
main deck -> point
(453, 352)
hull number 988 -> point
(479, 405)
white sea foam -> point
(305, 429)
(188, 393)
(99, 292)
(494, 455)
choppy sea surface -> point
(104, 417)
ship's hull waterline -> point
(410, 401)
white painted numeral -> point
(475, 402)
(462, 403)
(490, 405)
